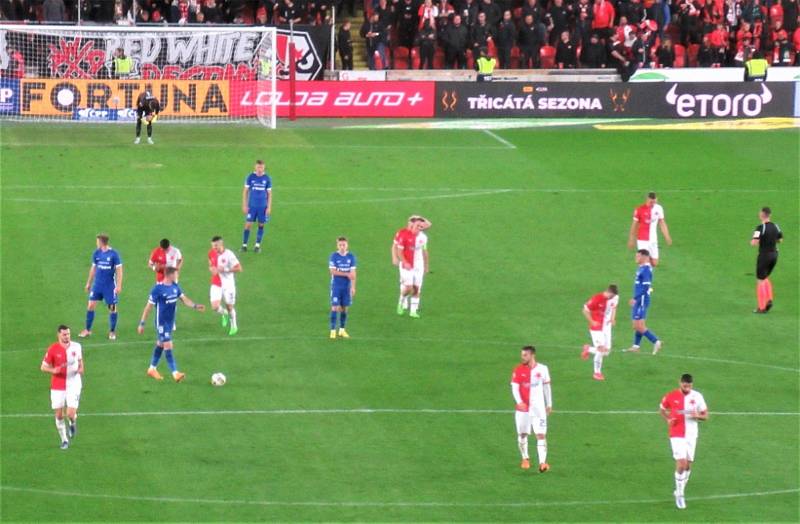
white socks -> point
(598, 361)
(523, 446)
(232, 313)
(61, 426)
(221, 310)
(680, 482)
(414, 304)
(541, 450)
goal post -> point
(95, 73)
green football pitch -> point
(409, 420)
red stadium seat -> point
(692, 53)
(517, 13)
(491, 48)
(548, 57)
(514, 58)
(415, 58)
(379, 65)
(400, 57)
(438, 59)
(680, 56)
(470, 60)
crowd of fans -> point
(622, 34)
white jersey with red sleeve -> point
(213, 258)
(74, 357)
(611, 307)
(173, 256)
(225, 264)
(681, 408)
(647, 218)
(540, 390)
(420, 246)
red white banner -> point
(337, 99)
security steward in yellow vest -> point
(485, 66)
(755, 69)
(123, 65)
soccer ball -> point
(218, 379)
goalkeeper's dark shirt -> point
(768, 235)
(147, 105)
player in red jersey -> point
(530, 387)
(595, 312)
(64, 361)
(681, 409)
(646, 219)
(403, 249)
(164, 256)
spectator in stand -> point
(530, 42)
(796, 43)
(481, 35)
(790, 12)
(345, 44)
(143, 16)
(211, 12)
(446, 10)
(718, 39)
(407, 23)
(689, 22)
(706, 55)
(782, 56)
(318, 10)
(385, 17)
(751, 12)
(583, 23)
(776, 13)
(492, 11)
(666, 54)
(566, 52)
(506, 38)
(650, 42)
(593, 53)
(558, 20)
(375, 36)
(427, 44)
(469, 13)
(626, 66)
(427, 12)
(533, 8)
(288, 12)
(12, 10)
(603, 17)
(455, 44)
(54, 11)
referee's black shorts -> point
(765, 264)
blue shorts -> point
(639, 310)
(103, 293)
(164, 333)
(257, 214)
(340, 296)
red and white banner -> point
(337, 99)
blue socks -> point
(245, 236)
(171, 361)
(156, 356)
(333, 319)
(342, 318)
(650, 336)
(260, 233)
(89, 320)
(637, 338)
(112, 320)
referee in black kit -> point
(147, 107)
(766, 236)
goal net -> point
(95, 73)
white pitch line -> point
(386, 504)
(499, 138)
(103, 202)
(380, 411)
(398, 147)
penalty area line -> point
(385, 504)
(381, 411)
(499, 138)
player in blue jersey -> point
(256, 204)
(104, 283)
(640, 302)
(164, 296)
(342, 265)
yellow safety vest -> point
(486, 65)
(266, 67)
(123, 66)
(756, 67)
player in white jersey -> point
(610, 319)
(64, 362)
(223, 265)
(682, 408)
(174, 259)
(540, 404)
(647, 219)
(420, 261)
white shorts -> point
(683, 448)
(651, 246)
(70, 397)
(411, 277)
(598, 338)
(228, 294)
(529, 424)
